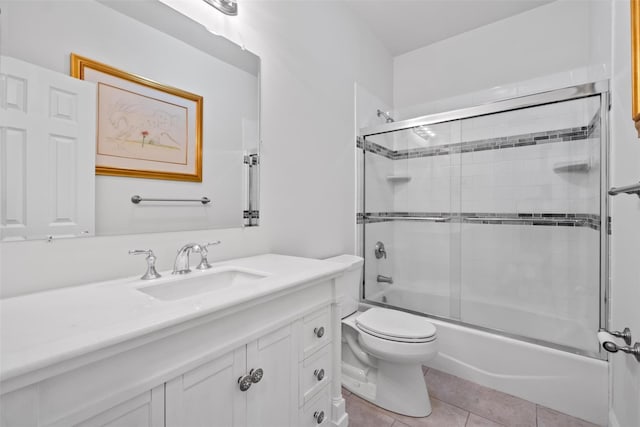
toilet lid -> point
(395, 325)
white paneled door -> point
(47, 153)
(625, 228)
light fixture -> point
(228, 7)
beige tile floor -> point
(461, 403)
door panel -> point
(208, 395)
(273, 399)
(47, 153)
(146, 409)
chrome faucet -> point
(384, 279)
(380, 251)
(204, 262)
(181, 264)
(151, 263)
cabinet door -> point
(209, 395)
(146, 409)
(273, 401)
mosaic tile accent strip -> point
(535, 219)
(251, 214)
(592, 130)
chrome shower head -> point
(386, 116)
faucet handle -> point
(204, 262)
(151, 263)
(141, 252)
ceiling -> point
(405, 25)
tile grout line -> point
(466, 422)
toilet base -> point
(395, 387)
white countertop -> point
(41, 329)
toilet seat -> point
(396, 325)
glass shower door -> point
(530, 241)
(411, 203)
(493, 220)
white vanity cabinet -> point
(211, 394)
(208, 395)
(144, 410)
(285, 345)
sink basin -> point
(196, 283)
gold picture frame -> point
(635, 63)
(144, 129)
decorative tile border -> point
(534, 219)
(592, 130)
(251, 218)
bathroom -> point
(326, 68)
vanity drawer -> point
(315, 373)
(316, 331)
(318, 411)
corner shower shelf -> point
(398, 178)
(573, 166)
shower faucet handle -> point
(380, 251)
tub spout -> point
(384, 279)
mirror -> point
(52, 189)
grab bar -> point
(627, 189)
(410, 218)
(137, 199)
(536, 219)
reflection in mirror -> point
(47, 168)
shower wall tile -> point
(543, 279)
(500, 181)
(378, 191)
(422, 259)
(429, 189)
(564, 115)
(383, 232)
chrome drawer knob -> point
(319, 374)
(256, 375)
(319, 416)
(319, 331)
(245, 382)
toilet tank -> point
(348, 285)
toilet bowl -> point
(383, 349)
(382, 362)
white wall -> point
(307, 173)
(625, 221)
(379, 192)
(543, 41)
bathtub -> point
(567, 382)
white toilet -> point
(383, 349)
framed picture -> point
(144, 129)
(635, 63)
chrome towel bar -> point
(534, 219)
(137, 199)
(410, 218)
(627, 189)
